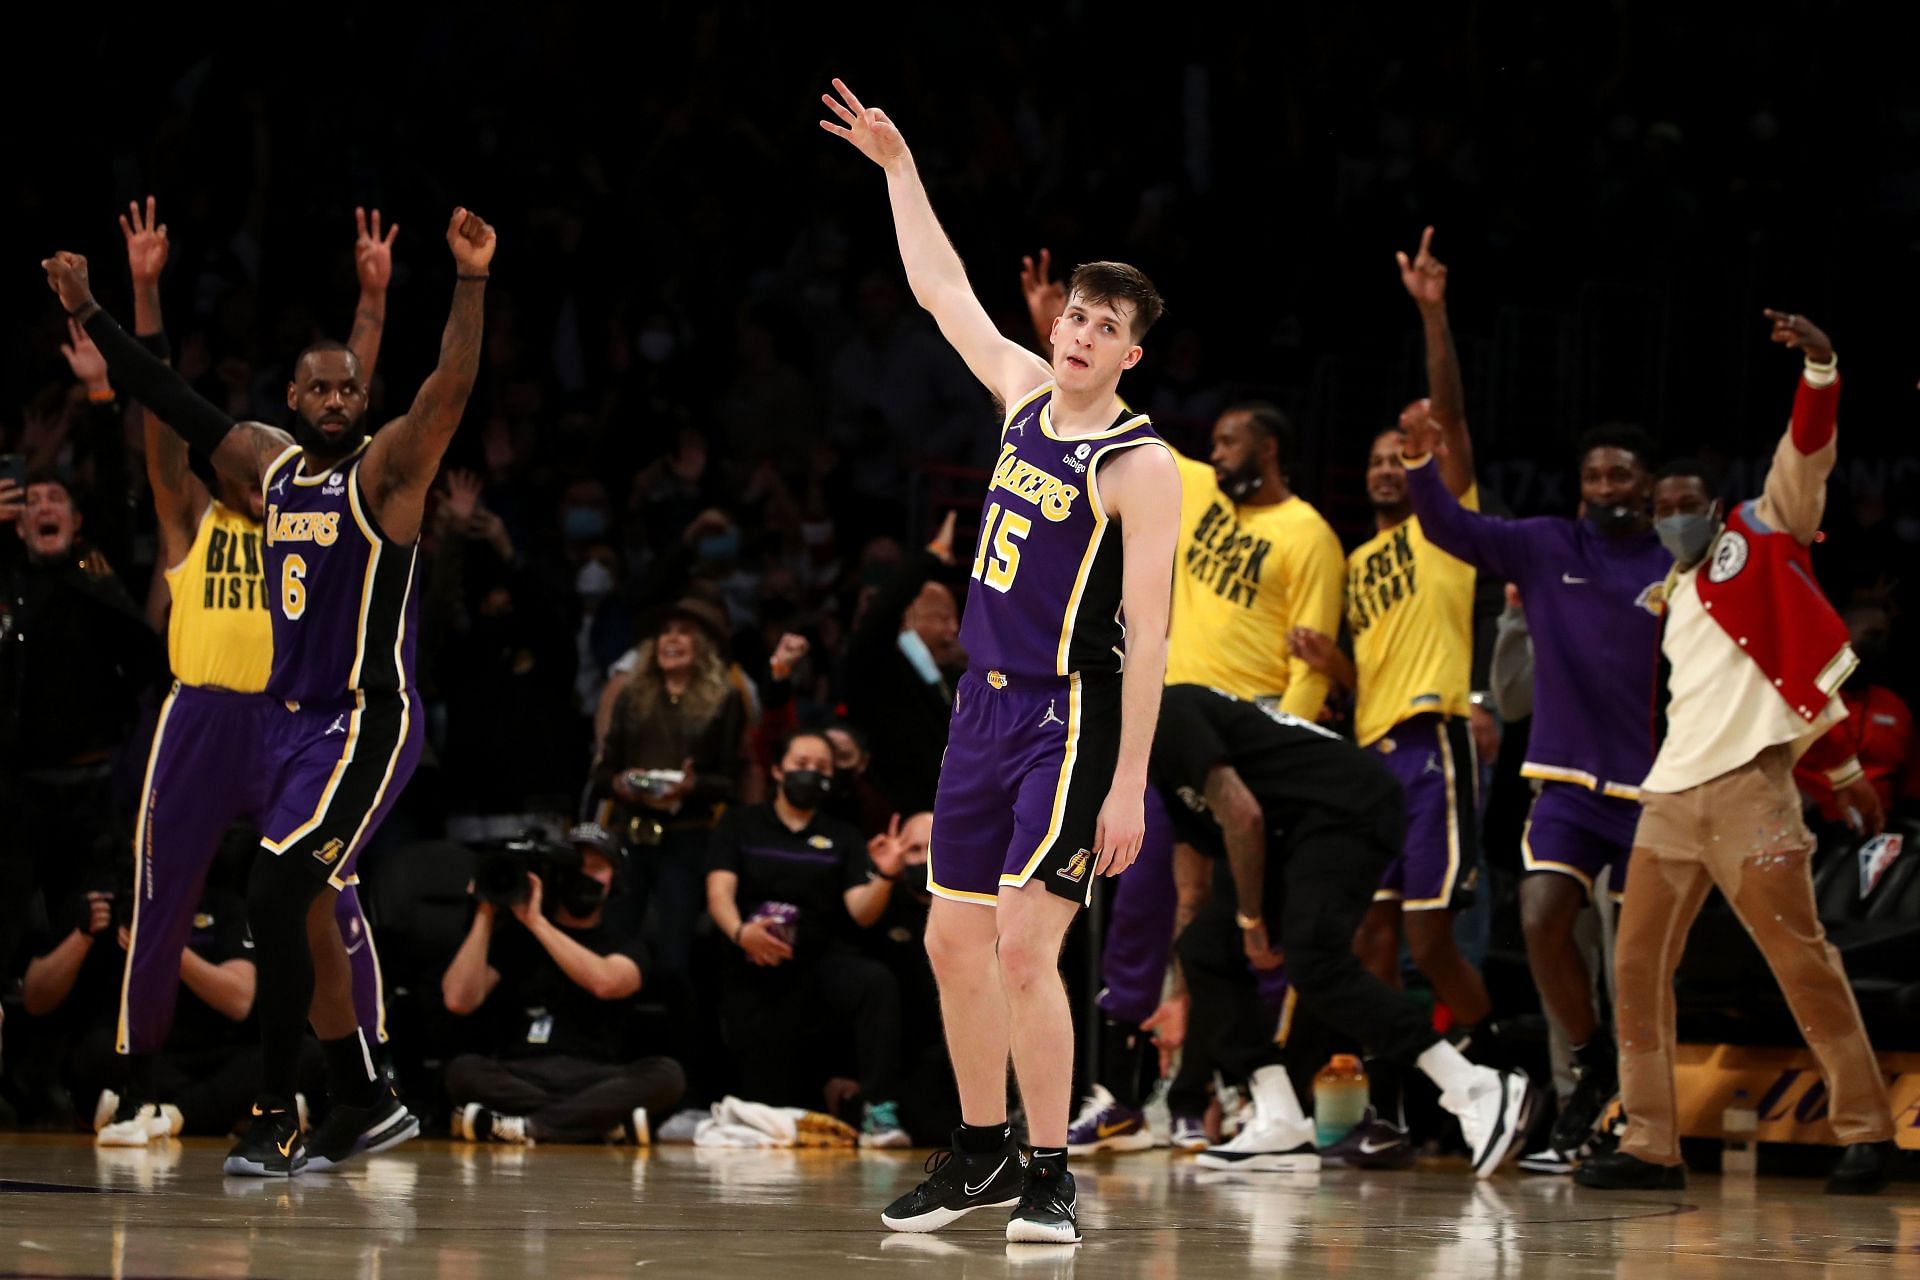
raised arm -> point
(373, 263)
(240, 449)
(1796, 490)
(405, 454)
(934, 270)
(1500, 547)
(179, 499)
(1425, 279)
(1141, 488)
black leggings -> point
(566, 1099)
(279, 895)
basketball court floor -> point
(453, 1212)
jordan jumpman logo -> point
(1050, 717)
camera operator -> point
(208, 1066)
(558, 977)
(786, 883)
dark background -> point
(1618, 189)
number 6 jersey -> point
(345, 615)
(1045, 599)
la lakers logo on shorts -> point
(1076, 868)
(998, 679)
(329, 853)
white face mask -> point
(594, 581)
(919, 655)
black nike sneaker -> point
(958, 1182)
(272, 1147)
(1595, 1084)
(349, 1131)
(1048, 1212)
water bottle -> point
(1739, 1148)
(1339, 1098)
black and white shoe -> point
(1049, 1212)
(272, 1148)
(1493, 1115)
(349, 1131)
(958, 1182)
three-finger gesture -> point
(472, 242)
(1800, 334)
(865, 127)
(146, 241)
(1424, 276)
(372, 252)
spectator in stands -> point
(855, 799)
(897, 685)
(559, 976)
(673, 755)
(206, 1075)
(75, 652)
(788, 884)
(1878, 727)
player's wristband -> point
(1246, 921)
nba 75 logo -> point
(1076, 868)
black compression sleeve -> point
(135, 371)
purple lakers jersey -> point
(1045, 599)
(345, 615)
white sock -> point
(1272, 1086)
(1448, 1068)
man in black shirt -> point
(788, 884)
(1306, 822)
(558, 980)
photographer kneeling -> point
(787, 883)
(555, 1075)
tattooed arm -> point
(406, 453)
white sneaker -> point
(1267, 1144)
(135, 1132)
(103, 1109)
(510, 1129)
(1492, 1114)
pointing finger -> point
(1426, 242)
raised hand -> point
(1425, 276)
(887, 851)
(942, 544)
(13, 500)
(788, 654)
(146, 242)
(85, 359)
(1800, 334)
(472, 242)
(1422, 431)
(1046, 297)
(372, 252)
(865, 127)
(67, 277)
(463, 495)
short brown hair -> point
(1116, 282)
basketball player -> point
(204, 769)
(1254, 561)
(1592, 588)
(342, 526)
(1065, 631)
(1410, 611)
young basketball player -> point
(1065, 631)
(205, 770)
(342, 528)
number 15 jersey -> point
(1045, 598)
(345, 614)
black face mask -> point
(1613, 521)
(805, 788)
(1242, 482)
(581, 895)
(307, 434)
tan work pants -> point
(1741, 832)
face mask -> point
(1243, 483)
(1612, 521)
(655, 345)
(581, 895)
(716, 547)
(1687, 537)
(805, 788)
(919, 656)
(594, 581)
(583, 524)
